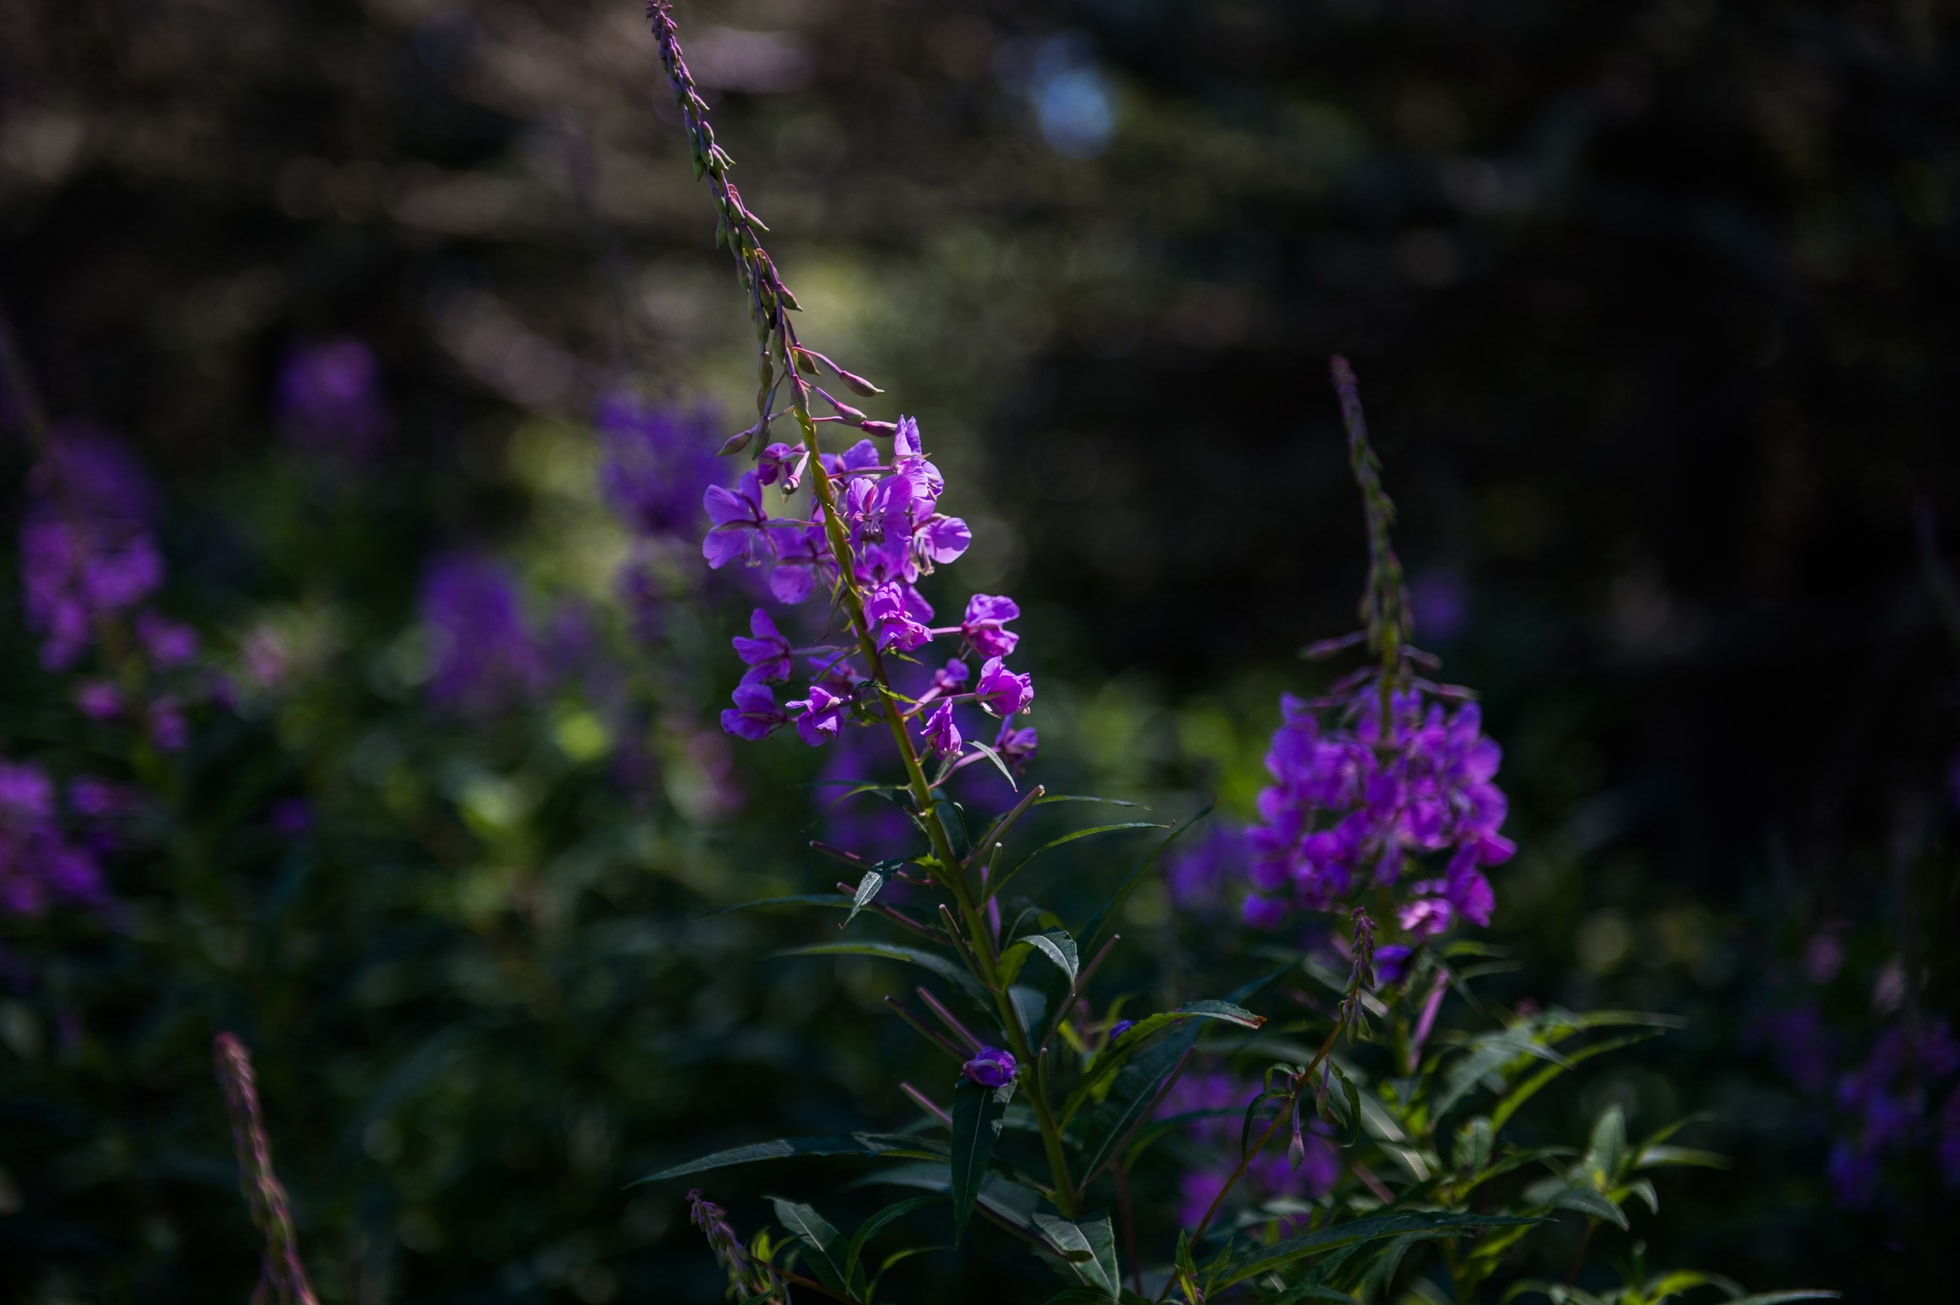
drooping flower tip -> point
(991, 1067)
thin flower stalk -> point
(282, 1275)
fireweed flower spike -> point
(282, 1277)
(1382, 776)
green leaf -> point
(893, 1145)
(1473, 1142)
(1353, 1104)
(824, 1241)
(837, 900)
(1378, 1228)
(1058, 947)
(1309, 1291)
(1005, 1199)
(1486, 1055)
(871, 1227)
(1046, 798)
(1092, 934)
(1524, 1091)
(1131, 1097)
(867, 889)
(1780, 1297)
(977, 1113)
(995, 887)
(1088, 1248)
(1562, 1195)
(1608, 1150)
(1654, 1157)
(1133, 1039)
(940, 965)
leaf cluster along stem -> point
(1300, 1082)
(778, 347)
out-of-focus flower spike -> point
(282, 1276)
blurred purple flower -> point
(99, 699)
(169, 643)
(1201, 872)
(1443, 598)
(1269, 1176)
(37, 862)
(86, 550)
(290, 817)
(483, 655)
(656, 461)
(329, 400)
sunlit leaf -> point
(1087, 1247)
(891, 1145)
(940, 965)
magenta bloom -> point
(898, 615)
(37, 862)
(1016, 745)
(755, 714)
(1001, 691)
(822, 713)
(741, 527)
(990, 1067)
(329, 399)
(985, 625)
(168, 642)
(767, 655)
(942, 735)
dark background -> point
(1652, 306)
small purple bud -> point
(991, 1067)
(1119, 1028)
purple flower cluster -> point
(483, 656)
(655, 461)
(895, 534)
(329, 400)
(1887, 1102)
(1353, 804)
(38, 865)
(89, 566)
(1270, 1176)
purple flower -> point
(86, 551)
(741, 526)
(1263, 913)
(1269, 1176)
(821, 714)
(1001, 691)
(165, 721)
(654, 463)
(1391, 965)
(483, 655)
(169, 643)
(990, 1067)
(985, 625)
(37, 862)
(782, 462)
(329, 399)
(755, 714)
(1119, 1028)
(99, 699)
(1016, 745)
(767, 655)
(942, 735)
(1199, 870)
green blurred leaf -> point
(1377, 1228)
(1473, 1143)
(1007, 1200)
(1562, 1195)
(1608, 1149)
(893, 1145)
(1485, 1056)
(1087, 1247)
(1524, 1091)
(945, 968)
(1654, 1157)
(977, 1113)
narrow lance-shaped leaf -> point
(1067, 838)
(825, 1242)
(940, 965)
(871, 1227)
(890, 1145)
(977, 1113)
(1136, 1090)
(1380, 1228)
(1134, 1038)
(867, 889)
(1087, 1247)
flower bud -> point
(857, 383)
(886, 428)
(991, 1067)
(736, 442)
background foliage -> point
(1650, 307)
